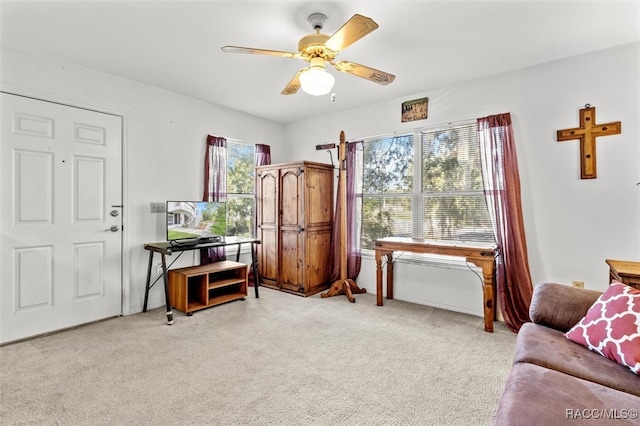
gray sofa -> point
(556, 381)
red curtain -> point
(262, 158)
(215, 187)
(263, 154)
(501, 182)
(215, 169)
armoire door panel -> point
(317, 192)
(267, 225)
(267, 198)
(291, 197)
(318, 257)
(268, 254)
(290, 251)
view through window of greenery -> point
(240, 189)
(387, 185)
(425, 184)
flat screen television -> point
(192, 222)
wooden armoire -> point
(294, 224)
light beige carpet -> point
(277, 360)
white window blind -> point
(454, 206)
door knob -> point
(114, 228)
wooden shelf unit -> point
(202, 286)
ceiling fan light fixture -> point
(320, 49)
(316, 81)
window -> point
(387, 186)
(240, 189)
(424, 184)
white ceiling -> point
(175, 44)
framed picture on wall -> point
(415, 110)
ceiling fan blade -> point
(238, 49)
(293, 85)
(363, 71)
(353, 30)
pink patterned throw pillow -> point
(611, 326)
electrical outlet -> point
(159, 269)
(578, 284)
(158, 207)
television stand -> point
(203, 286)
(165, 248)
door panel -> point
(34, 277)
(33, 181)
(61, 176)
(291, 194)
(267, 222)
(318, 258)
(319, 189)
(290, 261)
(89, 277)
(268, 256)
(88, 189)
(291, 227)
(268, 196)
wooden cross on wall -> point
(587, 133)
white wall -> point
(572, 225)
(165, 137)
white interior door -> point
(61, 216)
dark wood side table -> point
(625, 271)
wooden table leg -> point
(489, 297)
(379, 278)
(390, 275)
(488, 268)
(489, 308)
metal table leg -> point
(254, 262)
(146, 289)
(166, 291)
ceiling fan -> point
(319, 49)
